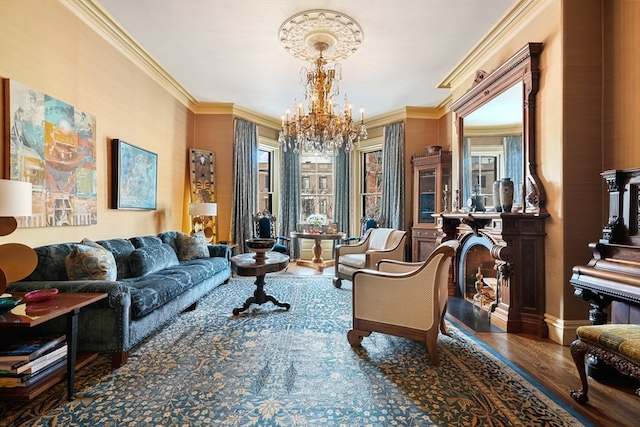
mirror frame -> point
(522, 67)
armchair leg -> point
(430, 341)
(443, 325)
(355, 337)
(337, 282)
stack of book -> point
(27, 361)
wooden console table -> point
(516, 243)
(68, 304)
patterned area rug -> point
(270, 367)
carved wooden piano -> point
(612, 277)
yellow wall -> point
(621, 132)
(49, 49)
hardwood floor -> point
(551, 365)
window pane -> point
(316, 185)
(371, 183)
(265, 185)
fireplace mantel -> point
(516, 242)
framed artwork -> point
(135, 177)
(52, 145)
(202, 165)
(203, 176)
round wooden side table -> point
(247, 265)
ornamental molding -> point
(300, 34)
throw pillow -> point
(90, 261)
(149, 259)
(192, 247)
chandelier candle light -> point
(325, 127)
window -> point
(316, 184)
(371, 182)
(323, 183)
(265, 180)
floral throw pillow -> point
(90, 261)
(192, 247)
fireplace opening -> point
(478, 284)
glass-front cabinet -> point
(431, 194)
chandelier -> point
(327, 126)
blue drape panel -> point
(392, 203)
(289, 207)
(514, 165)
(245, 186)
(342, 191)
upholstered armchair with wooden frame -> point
(377, 244)
(404, 299)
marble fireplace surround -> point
(516, 244)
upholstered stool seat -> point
(616, 344)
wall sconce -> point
(199, 213)
(17, 261)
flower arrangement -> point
(316, 220)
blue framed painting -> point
(135, 177)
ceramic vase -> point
(506, 194)
(497, 204)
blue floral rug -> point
(270, 367)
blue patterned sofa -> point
(148, 279)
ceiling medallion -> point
(301, 33)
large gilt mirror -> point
(496, 133)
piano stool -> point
(617, 345)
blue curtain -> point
(342, 188)
(289, 204)
(245, 186)
(392, 203)
(513, 165)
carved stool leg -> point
(578, 352)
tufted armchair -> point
(377, 244)
(404, 299)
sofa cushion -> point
(353, 260)
(149, 259)
(170, 238)
(51, 262)
(142, 241)
(154, 290)
(90, 261)
(121, 249)
(192, 247)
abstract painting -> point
(135, 177)
(52, 145)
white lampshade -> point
(204, 209)
(15, 198)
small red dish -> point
(41, 295)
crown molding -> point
(98, 19)
(519, 13)
(92, 14)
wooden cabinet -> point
(431, 180)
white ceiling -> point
(229, 51)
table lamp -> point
(17, 261)
(198, 211)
